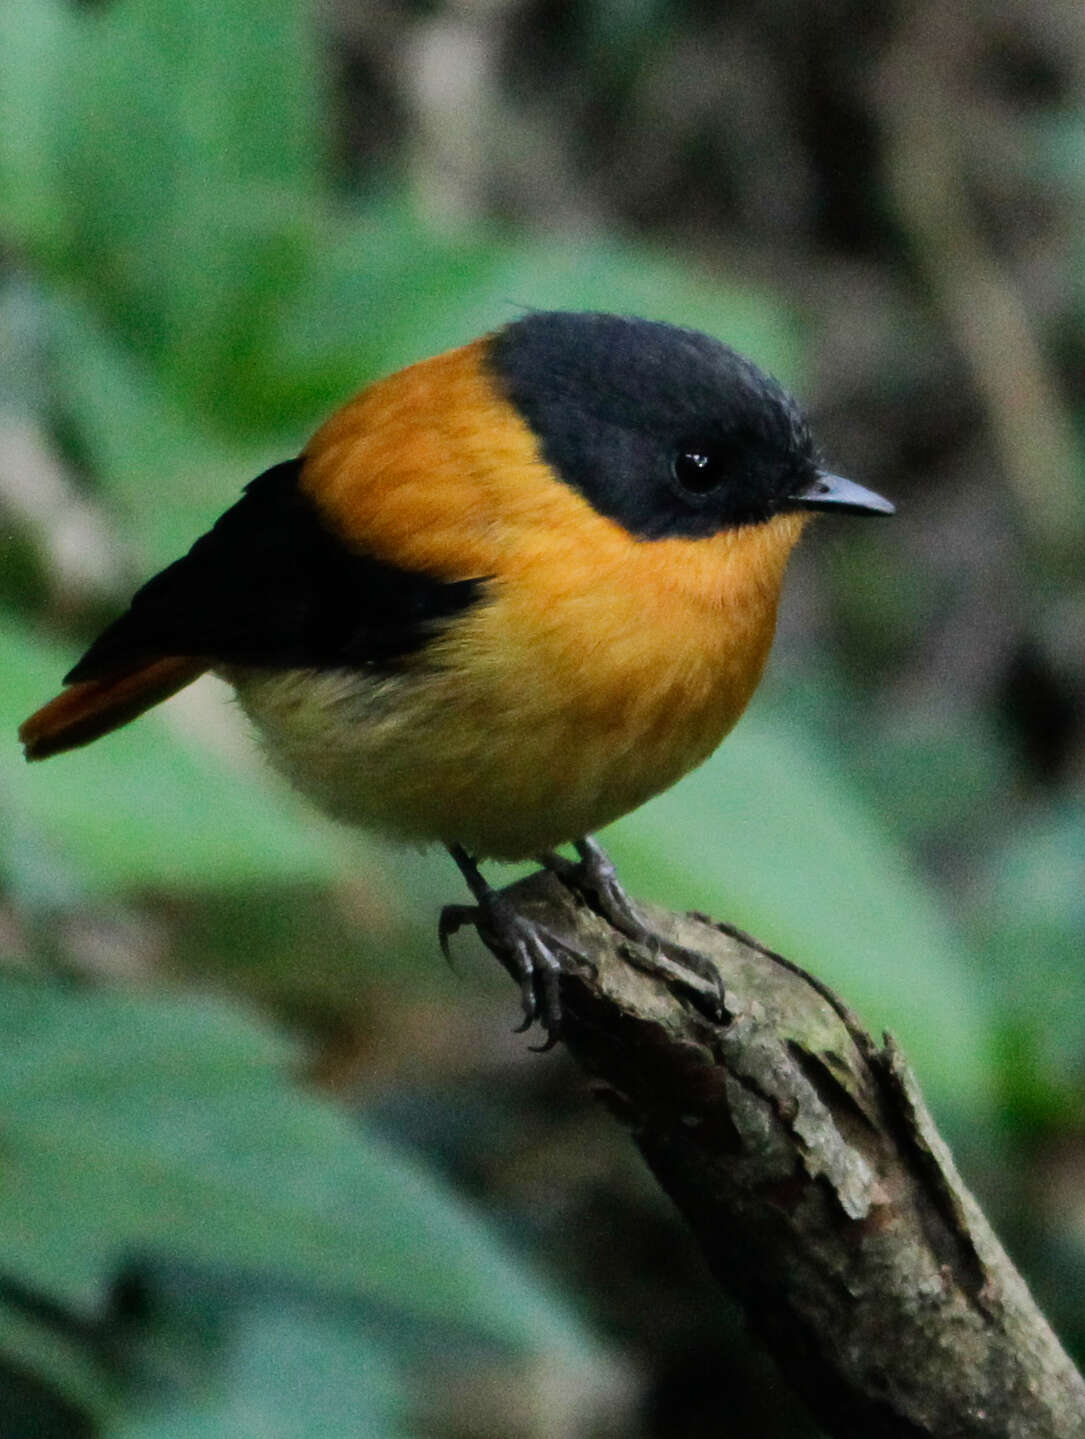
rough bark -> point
(802, 1155)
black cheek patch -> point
(622, 473)
(613, 401)
(271, 585)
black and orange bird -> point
(501, 598)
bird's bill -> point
(833, 492)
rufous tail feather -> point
(91, 708)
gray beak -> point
(834, 493)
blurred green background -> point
(266, 1166)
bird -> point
(502, 597)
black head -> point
(665, 430)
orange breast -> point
(601, 683)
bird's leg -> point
(528, 951)
(596, 880)
(600, 875)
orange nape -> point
(91, 708)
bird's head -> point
(664, 430)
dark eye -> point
(698, 470)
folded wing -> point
(271, 584)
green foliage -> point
(285, 1372)
(167, 1133)
(1033, 907)
(170, 173)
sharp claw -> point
(526, 951)
(552, 1037)
(452, 919)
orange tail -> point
(91, 708)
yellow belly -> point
(558, 705)
(403, 758)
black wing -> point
(271, 584)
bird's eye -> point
(698, 470)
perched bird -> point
(501, 598)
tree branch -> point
(803, 1157)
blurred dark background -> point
(268, 1167)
